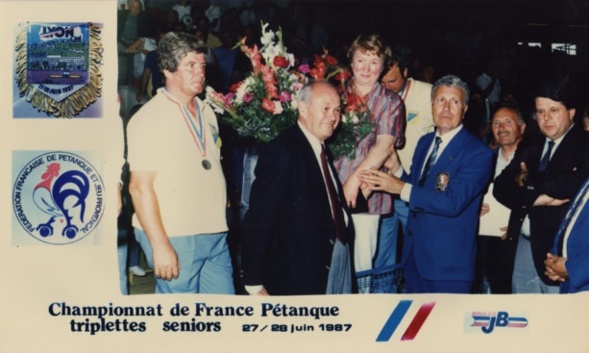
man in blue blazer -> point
(568, 262)
(449, 172)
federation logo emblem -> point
(58, 198)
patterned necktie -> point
(336, 207)
(430, 161)
(573, 210)
(546, 158)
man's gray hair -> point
(305, 94)
(175, 46)
(451, 81)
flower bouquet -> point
(355, 125)
(264, 103)
(356, 119)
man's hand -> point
(504, 230)
(555, 268)
(380, 181)
(485, 208)
(350, 193)
(262, 292)
(545, 200)
(165, 262)
(520, 179)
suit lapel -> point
(312, 167)
(563, 150)
(304, 146)
(418, 165)
(449, 154)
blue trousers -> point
(386, 253)
(122, 256)
(205, 264)
(415, 283)
(525, 278)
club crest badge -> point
(58, 66)
(57, 197)
(442, 181)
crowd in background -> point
(497, 77)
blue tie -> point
(573, 210)
(430, 161)
(546, 158)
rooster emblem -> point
(60, 196)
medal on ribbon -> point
(58, 66)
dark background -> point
(458, 37)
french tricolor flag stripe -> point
(397, 316)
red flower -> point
(330, 60)
(268, 105)
(355, 103)
(269, 82)
(280, 61)
(256, 60)
(252, 53)
(352, 101)
(234, 87)
(317, 73)
(342, 76)
(320, 65)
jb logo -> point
(488, 321)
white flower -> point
(291, 60)
(267, 37)
(277, 108)
(243, 89)
(270, 52)
(216, 108)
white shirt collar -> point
(447, 137)
(314, 141)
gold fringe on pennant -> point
(77, 101)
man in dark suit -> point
(293, 241)
(537, 185)
(568, 262)
(444, 189)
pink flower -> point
(285, 97)
(304, 69)
(217, 97)
(256, 60)
(253, 53)
(227, 98)
(297, 87)
(248, 97)
(269, 82)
